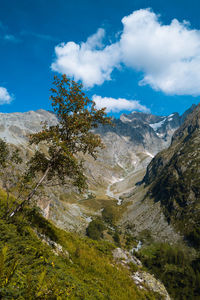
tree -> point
(9, 173)
(77, 116)
(95, 229)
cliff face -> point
(174, 177)
(15, 127)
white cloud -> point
(90, 62)
(167, 55)
(5, 97)
(117, 105)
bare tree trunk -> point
(31, 194)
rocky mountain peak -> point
(191, 122)
(144, 117)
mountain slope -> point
(174, 178)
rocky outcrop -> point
(125, 257)
(144, 279)
(56, 248)
(141, 278)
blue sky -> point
(146, 62)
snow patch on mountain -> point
(157, 125)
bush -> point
(109, 215)
(194, 237)
(95, 229)
(116, 238)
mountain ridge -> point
(173, 176)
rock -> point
(125, 257)
(56, 248)
(141, 278)
(144, 279)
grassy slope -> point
(29, 269)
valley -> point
(130, 144)
(125, 204)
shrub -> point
(109, 215)
(116, 238)
(95, 229)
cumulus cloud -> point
(117, 105)
(167, 55)
(90, 62)
(5, 97)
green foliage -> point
(109, 214)
(193, 236)
(95, 229)
(130, 241)
(6, 273)
(10, 176)
(133, 267)
(8, 156)
(179, 274)
(116, 238)
(145, 236)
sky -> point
(129, 55)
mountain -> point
(163, 211)
(173, 176)
(15, 127)
(155, 205)
(145, 213)
(130, 145)
(145, 131)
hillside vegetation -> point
(40, 261)
(175, 267)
